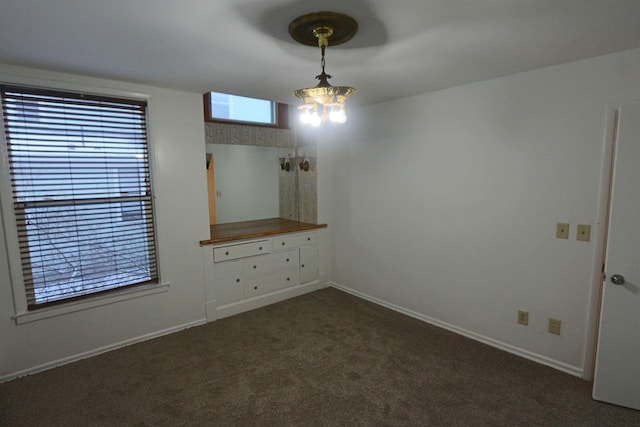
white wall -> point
(177, 144)
(445, 204)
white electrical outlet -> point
(554, 326)
(523, 318)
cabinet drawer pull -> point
(302, 266)
(309, 239)
(288, 279)
(287, 259)
(255, 287)
(260, 248)
(237, 280)
(255, 266)
(283, 243)
(226, 253)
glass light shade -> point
(315, 119)
(330, 98)
(338, 116)
(324, 95)
(305, 117)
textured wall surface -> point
(307, 179)
(222, 133)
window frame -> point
(23, 313)
(281, 110)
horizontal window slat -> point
(92, 269)
(57, 166)
(33, 115)
(99, 274)
(61, 225)
(76, 149)
(79, 248)
(63, 250)
(99, 203)
(82, 190)
(40, 94)
(45, 134)
(69, 120)
(61, 265)
(60, 272)
(77, 237)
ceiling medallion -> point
(316, 29)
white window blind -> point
(81, 192)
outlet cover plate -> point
(584, 232)
(554, 326)
(562, 230)
(523, 318)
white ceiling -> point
(403, 47)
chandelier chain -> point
(322, 60)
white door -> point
(617, 374)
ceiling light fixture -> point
(316, 29)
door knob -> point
(617, 279)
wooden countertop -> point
(232, 231)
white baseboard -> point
(97, 351)
(270, 298)
(543, 360)
(253, 303)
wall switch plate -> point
(584, 232)
(562, 230)
(554, 326)
(523, 317)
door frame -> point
(600, 241)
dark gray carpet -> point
(325, 358)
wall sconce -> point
(285, 165)
(304, 164)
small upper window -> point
(223, 107)
(242, 109)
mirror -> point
(251, 155)
(252, 182)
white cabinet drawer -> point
(295, 241)
(270, 262)
(241, 250)
(271, 282)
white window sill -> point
(71, 307)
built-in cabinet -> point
(247, 274)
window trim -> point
(282, 116)
(92, 301)
(9, 228)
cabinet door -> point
(228, 282)
(308, 263)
